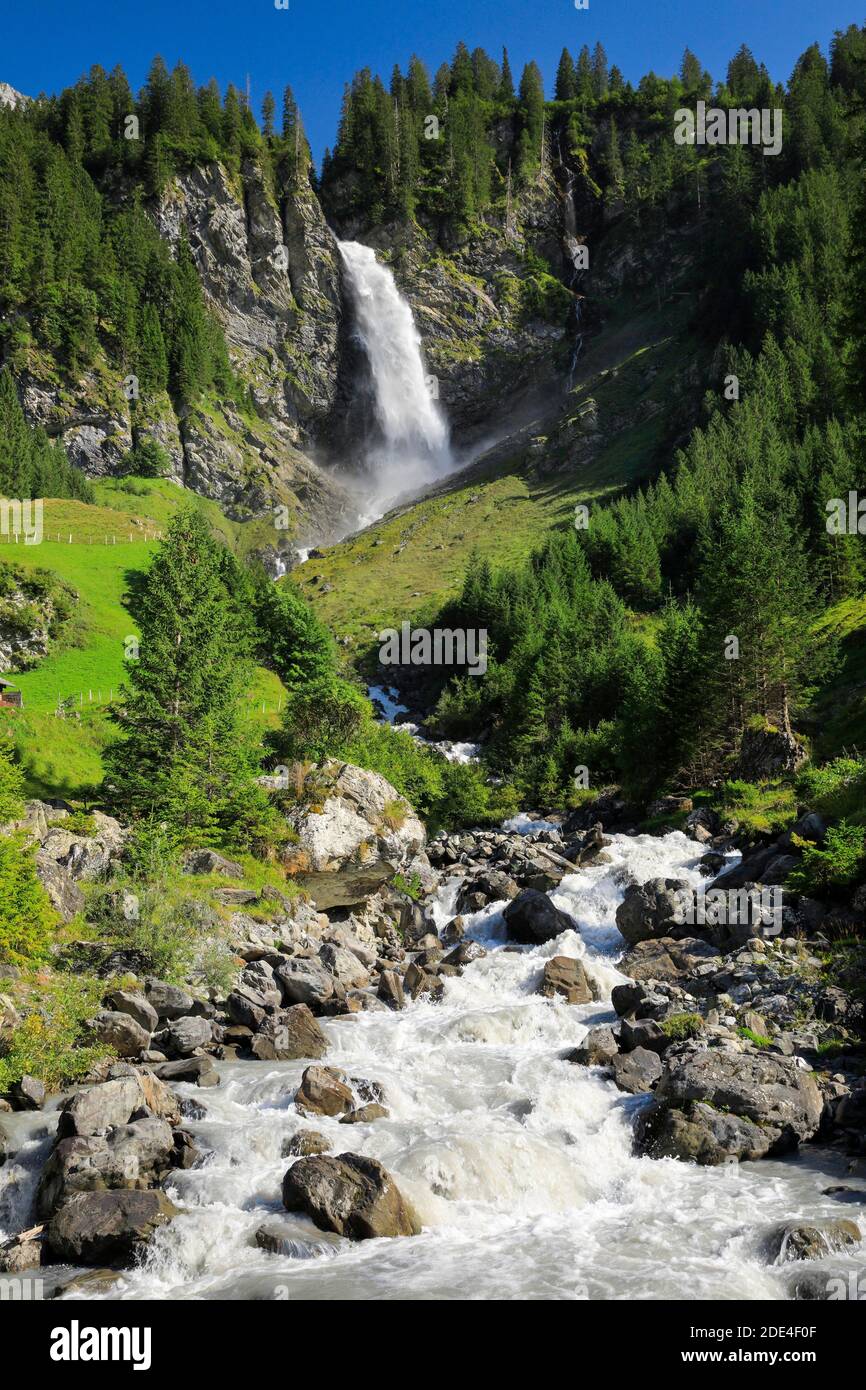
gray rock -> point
(197, 1071)
(365, 1114)
(712, 1104)
(132, 1155)
(168, 1000)
(531, 918)
(305, 981)
(391, 989)
(636, 1071)
(123, 1001)
(185, 1035)
(106, 1227)
(24, 1252)
(350, 1195)
(121, 1032)
(305, 1143)
(344, 966)
(565, 977)
(246, 1007)
(100, 1108)
(598, 1048)
(66, 897)
(651, 910)
(288, 1036)
(795, 1240)
(645, 1033)
(28, 1093)
(323, 1091)
(207, 861)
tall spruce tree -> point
(186, 754)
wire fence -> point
(69, 705)
(70, 538)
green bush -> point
(681, 1026)
(837, 864)
(11, 785)
(838, 789)
(48, 1043)
(27, 918)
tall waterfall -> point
(412, 445)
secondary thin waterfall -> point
(412, 447)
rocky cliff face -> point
(491, 318)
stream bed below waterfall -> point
(519, 1163)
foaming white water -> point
(520, 1163)
(412, 449)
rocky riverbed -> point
(527, 1079)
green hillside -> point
(62, 756)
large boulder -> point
(636, 1071)
(85, 857)
(133, 1155)
(207, 861)
(667, 959)
(101, 1108)
(351, 1195)
(565, 977)
(767, 753)
(531, 918)
(120, 1032)
(651, 910)
(712, 1104)
(355, 838)
(289, 1035)
(27, 1093)
(344, 965)
(186, 1035)
(598, 1048)
(124, 1001)
(169, 1001)
(323, 1091)
(65, 896)
(98, 1228)
(305, 981)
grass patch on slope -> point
(62, 757)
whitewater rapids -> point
(518, 1162)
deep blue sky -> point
(316, 45)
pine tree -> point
(583, 75)
(566, 81)
(506, 85)
(691, 72)
(268, 109)
(186, 755)
(600, 78)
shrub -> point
(322, 719)
(412, 886)
(26, 915)
(681, 1026)
(394, 814)
(11, 785)
(48, 1042)
(838, 789)
(837, 864)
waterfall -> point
(573, 249)
(411, 446)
